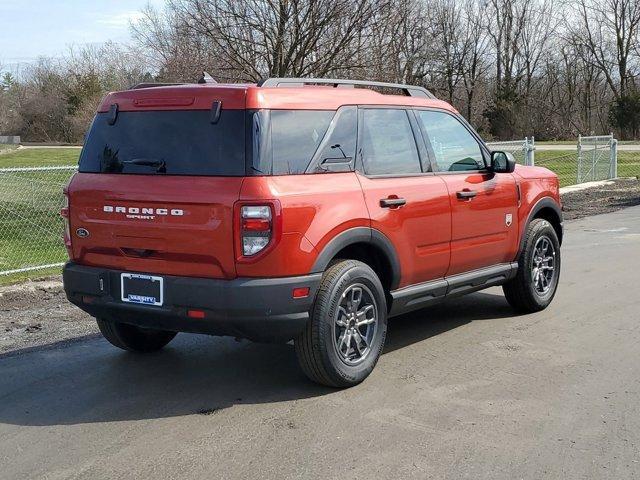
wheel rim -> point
(355, 324)
(543, 265)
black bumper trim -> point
(260, 309)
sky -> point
(33, 28)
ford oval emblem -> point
(82, 232)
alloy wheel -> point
(355, 324)
(543, 265)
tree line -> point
(511, 67)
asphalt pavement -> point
(464, 390)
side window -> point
(455, 148)
(339, 146)
(295, 136)
(388, 145)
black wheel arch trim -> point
(545, 202)
(360, 235)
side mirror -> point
(502, 162)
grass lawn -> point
(32, 275)
(40, 157)
(557, 142)
(30, 202)
(565, 164)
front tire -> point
(345, 335)
(536, 282)
(132, 338)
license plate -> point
(143, 289)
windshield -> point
(166, 143)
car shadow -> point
(90, 381)
(426, 323)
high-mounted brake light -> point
(256, 228)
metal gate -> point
(597, 158)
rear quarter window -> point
(295, 136)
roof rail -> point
(152, 85)
(409, 90)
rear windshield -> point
(166, 142)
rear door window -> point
(388, 144)
(166, 142)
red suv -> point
(309, 210)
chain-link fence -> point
(30, 223)
(523, 151)
(593, 158)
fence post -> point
(614, 158)
(532, 152)
(594, 157)
(579, 157)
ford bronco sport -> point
(309, 210)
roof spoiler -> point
(204, 78)
(153, 85)
(408, 90)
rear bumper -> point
(259, 309)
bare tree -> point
(474, 63)
(254, 39)
(511, 66)
(170, 45)
(608, 34)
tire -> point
(341, 345)
(528, 292)
(132, 338)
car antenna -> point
(206, 78)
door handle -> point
(392, 202)
(466, 194)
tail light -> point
(64, 213)
(257, 227)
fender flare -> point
(360, 235)
(544, 202)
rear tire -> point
(345, 335)
(536, 282)
(132, 338)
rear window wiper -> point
(161, 165)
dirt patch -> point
(618, 194)
(38, 313)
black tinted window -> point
(454, 147)
(295, 136)
(388, 145)
(169, 142)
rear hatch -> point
(155, 191)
